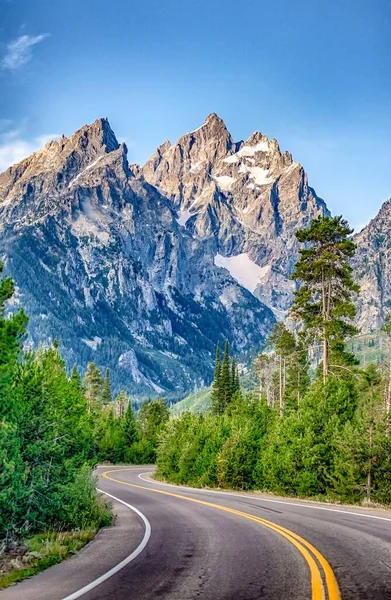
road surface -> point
(179, 543)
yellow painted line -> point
(300, 543)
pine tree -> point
(106, 389)
(93, 387)
(263, 369)
(324, 300)
(225, 395)
(130, 426)
(216, 382)
(387, 330)
(121, 404)
(237, 379)
(75, 378)
(285, 347)
(235, 384)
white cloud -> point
(19, 51)
(13, 147)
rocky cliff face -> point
(373, 270)
(143, 269)
(102, 260)
(246, 198)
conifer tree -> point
(324, 300)
(235, 384)
(233, 375)
(237, 379)
(130, 426)
(106, 389)
(285, 346)
(216, 381)
(93, 387)
(75, 378)
(121, 403)
(387, 330)
(225, 381)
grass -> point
(198, 402)
(40, 552)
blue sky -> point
(315, 75)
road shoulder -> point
(109, 547)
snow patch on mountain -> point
(251, 150)
(73, 181)
(195, 166)
(231, 159)
(225, 182)
(243, 269)
(261, 176)
(184, 214)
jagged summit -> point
(212, 123)
(85, 144)
(247, 196)
(142, 269)
(99, 133)
(53, 170)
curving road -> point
(180, 543)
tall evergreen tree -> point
(130, 426)
(235, 384)
(284, 343)
(324, 300)
(387, 330)
(225, 380)
(216, 381)
(75, 378)
(93, 387)
(121, 404)
(106, 389)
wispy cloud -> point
(14, 147)
(19, 51)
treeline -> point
(318, 431)
(54, 428)
(120, 434)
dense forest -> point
(314, 428)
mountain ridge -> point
(119, 281)
(144, 268)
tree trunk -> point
(281, 396)
(324, 339)
(388, 395)
(369, 476)
(325, 358)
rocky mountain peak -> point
(98, 135)
(373, 271)
(41, 182)
(247, 197)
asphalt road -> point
(179, 543)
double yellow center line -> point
(307, 550)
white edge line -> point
(201, 490)
(123, 563)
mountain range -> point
(142, 269)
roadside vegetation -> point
(54, 429)
(320, 424)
